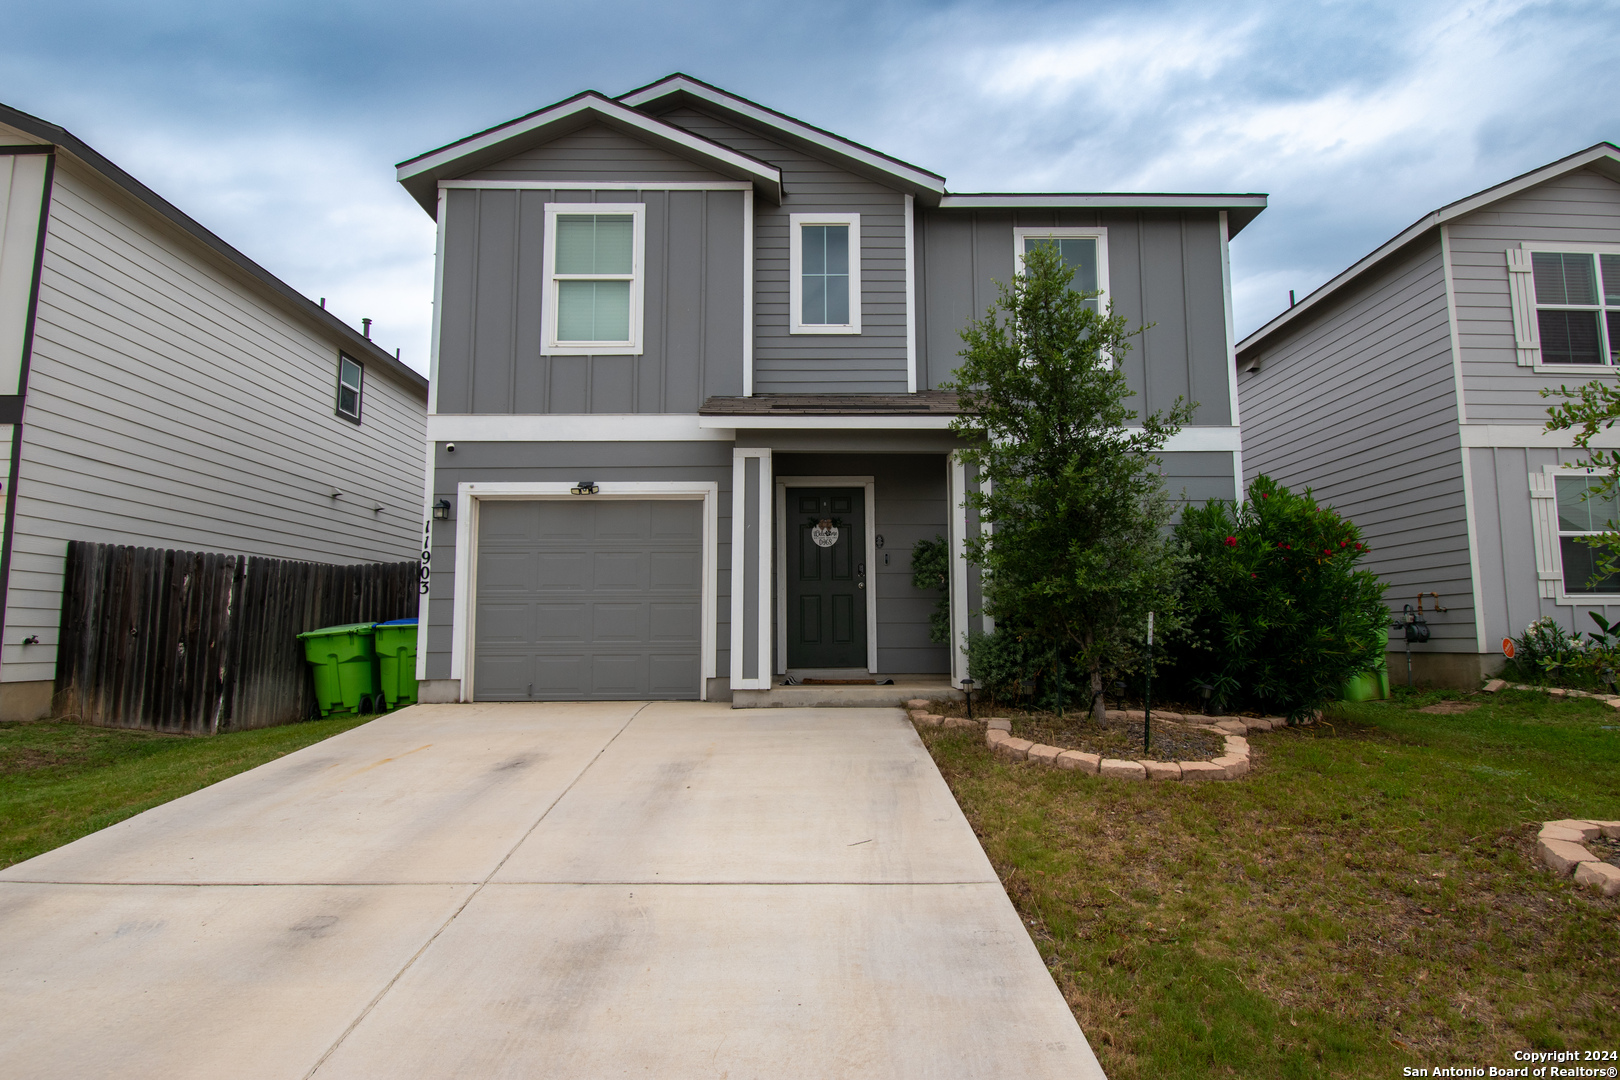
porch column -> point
(750, 568)
(956, 493)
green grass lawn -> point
(61, 780)
(1366, 899)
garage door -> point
(588, 599)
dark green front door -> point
(826, 586)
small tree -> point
(1078, 553)
(1593, 408)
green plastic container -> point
(1368, 686)
(396, 661)
(343, 660)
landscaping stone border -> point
(1562, 848)
(1229, 766)
(1611, 700)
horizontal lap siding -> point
(1359, 404)
(596, 153)
(1164, 273)
(494, 282)
(499, 463)
(169, 406)
(1582, 208)
(873, 361)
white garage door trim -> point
(468, 498)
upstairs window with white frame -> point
(594, 278)
(1084, 250)
(825, 266)
(1577, 307)
(1582, 512)
(351, 387)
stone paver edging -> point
(1562, 848)
(1611, 700)
(1229, 766)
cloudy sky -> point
(277, 124)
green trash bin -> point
(343, 660)
(396, 661)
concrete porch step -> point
(848, 697)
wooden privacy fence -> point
(195, 642)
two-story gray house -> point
(1406, 392)
(684, 422)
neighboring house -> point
(160, 389)
(1407, 393)
(685, 427)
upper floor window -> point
(1084, 249)
(1577, 309)
(825, 265)
(351, 385)
(1582, 512)
(594, 278)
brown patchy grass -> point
(1366, 899)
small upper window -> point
(1085, 250)
(825, 264)
(1579, 321)
(1582, 512)
(594, 269)
(351, 379)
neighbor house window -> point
(825, 266)
(351, 385)
(1577, 306)
(593, 254)
(1582, 512)
(1085, 250)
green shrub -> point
(1547, 653)
(1279, 616)
(1012, 664)
(931, 569)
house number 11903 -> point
(425, 574)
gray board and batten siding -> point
(537, 462)
(490, 330)
(172, 402)
(873, 361)
(1164, 271)
(1358, 402)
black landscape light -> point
(967, 688)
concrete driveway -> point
(591, 890)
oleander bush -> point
(1547, 654)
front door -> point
(826, 579)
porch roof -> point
(922, 403)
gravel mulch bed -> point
(1605, 849)
(1115, 738)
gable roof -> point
(676, 90)
(420, 175)
(66, 143)
(1604, 158)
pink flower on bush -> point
(1231, 541)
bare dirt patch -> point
(1116, 737)
(1446, 708)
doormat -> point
(791, 681)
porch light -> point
(585, 487)
(441, 510)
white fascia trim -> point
(748, 293)
(468, 496)
(796, 223)
(739, 539)
(1104, 201)
(827, 422)
(1442, 216)
(549, 345)
(956, 494)
(602, 107)
(1231, 333)
(911, 295)
(600, 185)
(1223, 440)
(781, 123)
(575, 427)
(438, 306)
(869, 483)
(1530, 437)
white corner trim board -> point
(463, 631)
(911, 295)
(782, 485)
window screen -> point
(1578, 516)
(595, 267)
(1567, 311)
(350, 379)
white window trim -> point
(469, 497)
(549, 345)
(796, 223)
(1522, 297)
(782, 485)
(1549, 550)
(1098, 233)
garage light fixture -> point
(441, 510)
(585, 487)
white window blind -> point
(594, 272)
